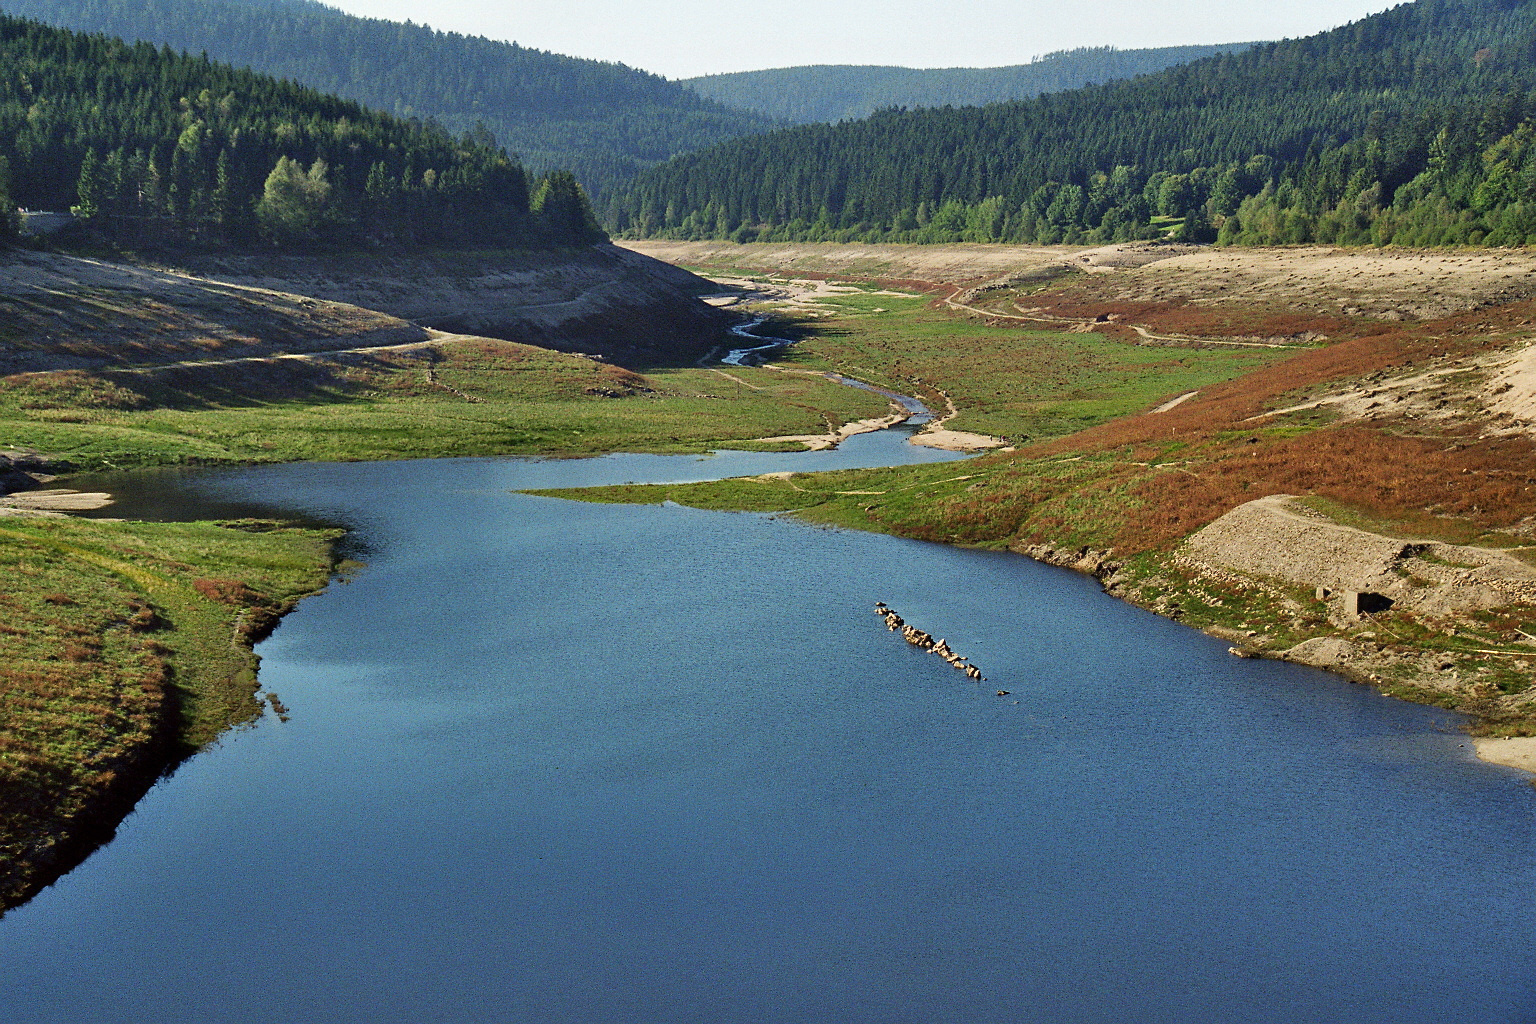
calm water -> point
(556, 762)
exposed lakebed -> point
(551, 761)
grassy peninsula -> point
(128, 646)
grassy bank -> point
(128, 645)
(460, 396)
(1018, 382)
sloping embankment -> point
(602, 300)
(60, 312)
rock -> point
(23, 472)
(1323, 652)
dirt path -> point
(436, 339)
(1175, 403)
(935, 435)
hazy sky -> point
(682, 38)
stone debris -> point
(1355, 573)
(917, 638)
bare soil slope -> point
(69, 312)
(601, 299)
(1391, 285)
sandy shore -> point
(955, 440)
(1519, 752)
(821, 442)
(60, 499)
(936, 435)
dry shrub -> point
(231, 592)
(1412, 480)
(144, 618)
(81, 652)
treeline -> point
(830, 93)
(152, 145)
(1412, 126)
(604, 122)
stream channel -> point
(558, 762)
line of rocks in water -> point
(925, 641)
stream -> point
(749, 356)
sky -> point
(684, 38)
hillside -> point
(840, 92)
(603, 122)
(1413, 126)
(150, 146)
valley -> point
(1129, 404)
(444, 485)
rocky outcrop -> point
(25, 471)
(1277, 540)
(1099, 564)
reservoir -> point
(557, 762)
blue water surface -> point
(559, 762)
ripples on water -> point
(552, 761)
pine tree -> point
(561, 207)
(9, 223)
(89, 189)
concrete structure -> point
(44, 222)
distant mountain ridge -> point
(838, 92)
(604, 122)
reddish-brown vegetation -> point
(230, 592)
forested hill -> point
(604, 122)
(156, 146)
(827, 92)
(1414, 126)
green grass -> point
(126, 646)
(476, 399)
(1016, 383)
(984, 502)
